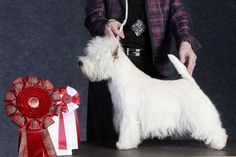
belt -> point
(133, 51)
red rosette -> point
(31, 104)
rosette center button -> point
(33, 102)
(66, 99)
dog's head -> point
(100, 54)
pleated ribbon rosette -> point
(65, 132)
(31, 104)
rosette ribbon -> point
(31, 104)
(65, 132)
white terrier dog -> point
(145, 107)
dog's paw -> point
(125, 146)
(219, 142)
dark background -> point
(44, 37)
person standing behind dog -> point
(146, 39)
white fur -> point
(145, 107)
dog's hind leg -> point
(207, 127)
(215, 138)
(129, 136)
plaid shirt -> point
(164, 16)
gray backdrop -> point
(43, 38)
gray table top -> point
(154, 149)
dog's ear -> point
(115, 52)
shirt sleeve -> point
(180, 25)
(95, 20)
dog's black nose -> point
(80, 63)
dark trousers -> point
(100, 108)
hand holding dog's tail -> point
(180, 68)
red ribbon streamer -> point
(77, 127)
(62, 133)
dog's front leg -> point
(129, 136)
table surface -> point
(154, 149)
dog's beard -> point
(93, 73)
(89, 74)
(93, 77)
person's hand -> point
(188, 56)
(112, 29)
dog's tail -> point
(180, 68)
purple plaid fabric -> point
(162, 15)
